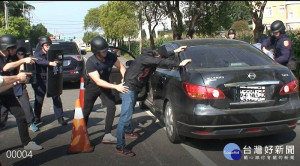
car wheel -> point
(171, 128)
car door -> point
(160, 80)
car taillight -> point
(79, 57)
(292, 87)
(202, 92)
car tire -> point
(171, 127)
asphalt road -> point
(152, 148)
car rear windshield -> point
(220, 56)
(68, 48)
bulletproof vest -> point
(99, 67)
(87, 79)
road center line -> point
(196, 153)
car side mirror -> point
(83, 52)
(128, 63)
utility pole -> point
(23, 11)
(5, 15)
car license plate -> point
(67, 62)
(252, 93)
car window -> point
(68, 48)
(219, 56)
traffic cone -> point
(81, 92)
(80, 141)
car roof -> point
(207, 41)
(62, 41)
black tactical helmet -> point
(231, 31)
(277, 26)
(44, 39)
(7, 41)
(98, 44)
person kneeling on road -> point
(135, 78)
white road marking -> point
(196, 153)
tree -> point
(256, 9)
(153, 15)
(37, 31)
(118, 20)
(18, 26)
(210, 22)
(231, 11)
(240, 26)
(172, 10)
(193, 12)
(92, 19)
(88, 36)
(15, 8)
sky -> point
(62, 17)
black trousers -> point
(25, 104)
(13, 105)
(39, 94)
(92, 92)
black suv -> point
(73, 64)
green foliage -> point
(240, 26)
(15, 8)
(144, 34)
(221, 14)
(295, 38)
(91, 20)
(118, 20)
(18, 26)
(246, 36)
(87, 37)
(163, 33)
(161, 41)
(239, 11)
(37, 31)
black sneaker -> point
(61, 121)
(125, 152)
(37, 121)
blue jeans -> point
(128, 103)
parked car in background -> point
(73, 63)
(83, 47)
(229, 90)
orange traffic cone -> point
(80, 141)
(81, 92)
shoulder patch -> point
(286, 43)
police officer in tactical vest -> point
(41, 80)
(231, 34)
(280, 42)
(7, 98)
(98, 69)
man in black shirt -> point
(98, 68)
(135, 78)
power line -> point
(64, 20)
(61, 24)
